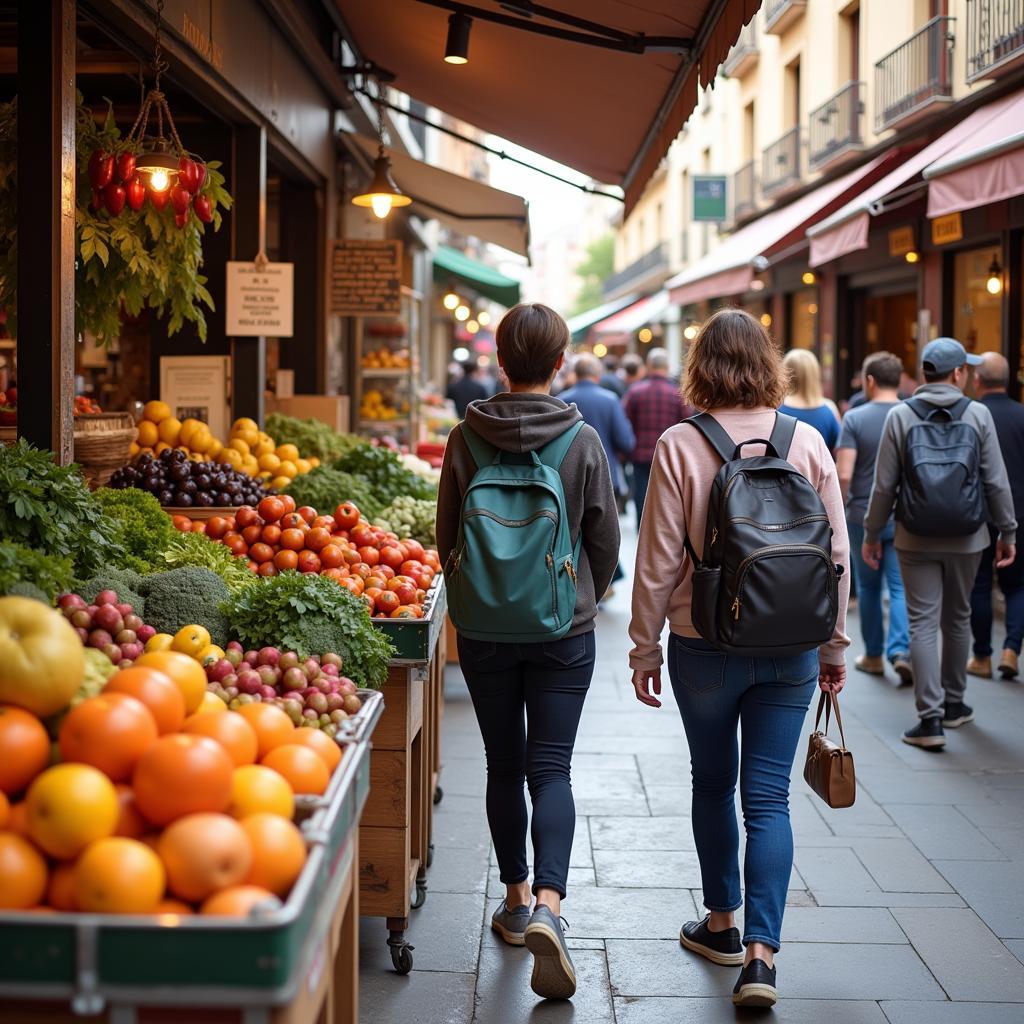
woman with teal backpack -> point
(529, 536)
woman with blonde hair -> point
(734, 374)
(805, 400)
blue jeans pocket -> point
(567, 651)
(796, 668)
(476, 650)
(699, 667)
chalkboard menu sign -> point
(366, 278)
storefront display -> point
(978, 299)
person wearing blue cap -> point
(940, 467)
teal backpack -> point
(512, 575)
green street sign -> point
(709, 198)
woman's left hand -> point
(646, 680)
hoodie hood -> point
(943, 395)
(521, 422)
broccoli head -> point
(126, 583)
(187, 596)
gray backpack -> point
(941, 493)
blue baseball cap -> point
(944, 355)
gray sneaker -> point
(511, 924)
(554, 976)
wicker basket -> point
(103, 444)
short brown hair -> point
(733, 361)
(531, 338)
(885, 368)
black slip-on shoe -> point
(554, 976)
(756, 985)
(957, 714)
(927, 733)
(511, 924)
(723, 948)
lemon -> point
(250, 465)
(279, 483)
(314, 461)
(188, 427)
(209, 654)
(244, 423)
(264, 444)
(159, 642)
(160, 446)
(156, 411)
(239, 445)
(133, 450)
(303, 465)
(270, 462)
(212, 704)
(191, 640)
(288, 469)
(230, 457)
(169, 429)
(214, 448)
(287, 452)
(250, 437)
(148, 435)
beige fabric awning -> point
(464, 205)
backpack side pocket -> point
(707, 583)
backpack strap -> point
(483, 453)
(714, 433)
(925, 410)
(729, 451)
(782, 434)
(554, 452)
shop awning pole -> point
(46, 224)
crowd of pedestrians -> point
(759, 508)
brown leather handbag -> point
(829, 767)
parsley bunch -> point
(144, 529)
(31, 573)
(383, 471)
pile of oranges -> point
(161, 802)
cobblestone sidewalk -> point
(906, 908)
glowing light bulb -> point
(766, 319)
(993, 286)
(460, 355)
(381, 204)
(462, 313)
(451, 300)
(472, 326)
(645, 335)
(912, 257)
(483, 318)
(600, 350)
(808, 277)
(690, 332)
(159, 180)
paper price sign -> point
(260, 299)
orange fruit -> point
(24, 748)
(110, 732)
(60, 892)
(182, 774)
(304, 770)
(169, 906)
(70, 806)
(191, 640)
(256, 789)
(148, 434)
(211, 704)
(320, 743)
(232, 732)
(278, 852)
(22, 873)
(119, 876)
(186, 673)
(155, 411)
(155, 689)
(130, 822)
(239, 901)
(204, 853)
(273, 727)
(5, 809)
(17, 820)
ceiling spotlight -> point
(808, 277)
(456, 49)
(994, 283)
(462, 313)
(451, 300)
(483, 318)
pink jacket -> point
(677, 504)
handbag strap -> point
(827, 702)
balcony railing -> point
(915, 75)
(743, 190)
(780, 14)
(834, 127)
(656, 259)
(995, 37)
(743, 55)
(780, 162)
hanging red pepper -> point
(101, 169)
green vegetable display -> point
(181, 597)
(195, 549)
(324, 488)
(311, 614)
(312, 437)
(49, 508)
(126, 583)
(410, 517)
(31, 573)
(144, 530)
(384, 472)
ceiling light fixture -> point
(456, 48)
(645, 335)
(451, 299)
(472, 326)
(808, 277)
(913, 256)
(483, 318)
(600, 350)
(382, 194)
(994, 283)
(462, 313)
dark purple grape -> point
(188, 486)
(166, 497)
(223, 498)
(203, 481)
(204, 500)
(182, 498)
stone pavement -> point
(907, 908)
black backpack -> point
(766, 584)
(940, 492)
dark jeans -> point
(550, 682)
(641, 478)
(1011, 583)
(767, 698)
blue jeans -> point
(1011, 583)
(869, 596)
(548, 682)
(641, 478)
(768, 698)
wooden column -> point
(248, 237)
(46, 224)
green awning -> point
(450, 264)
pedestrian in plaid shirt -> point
(652, 405)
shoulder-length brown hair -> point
(733, 361)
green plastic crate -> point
(415, 639)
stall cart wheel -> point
(430, 854)
(438, 795)
(401, 952)
(421, 890)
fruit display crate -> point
(198, 513)
(415, 639)
(94, 960)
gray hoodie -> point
(889, 470)
(523, 423)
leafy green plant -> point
(144, 530)
(312, 437)
(324, 488)
(311, 614)
(384, 472)
(196, 549)
(183, 597)
(20, 566)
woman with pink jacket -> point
(734, 371)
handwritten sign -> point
(366, 278)
(260, 300)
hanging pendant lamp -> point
(382, 194)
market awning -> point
(462, 204)
(649, 310)
(580, 324)
(729, 269)
(608, 113)
(985, 168)
(847, 230)
(450, 264)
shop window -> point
(803, 319)
(977, 313)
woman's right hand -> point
(831, 678)
(646, 680)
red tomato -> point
(346, 515)
(199, 527)
(386, 602)
(238, 546)
(293, 539)
(216, 527)
(229, 537)
(182, 523)
(386, 571)
(351, 556)
(411, 566)
(404, 612)
(362, 571)
(331, 556)
(376, 581)
(415, 549)
(267, 569)
(405, 589)
(307, 512)
(324, 523)
(424, 580)
(293, 521)
(247, 516)
(353, 583)
(431, 558)
(285, 560)
(361, 536)
(252, 533)
(317, 538)
(334, 574)
(230, 520)
(368, 602)
(289, 503)
(271, 532)
(373, 592)
(271, 509)
(261, 553)
(392, 555)
(308, 562)
(370, 555)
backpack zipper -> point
(816, 517)
(772, 549)
(540, 514)
(568, 567)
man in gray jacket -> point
(939, 572)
